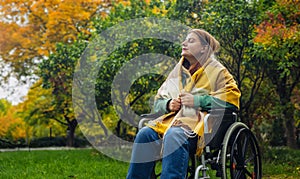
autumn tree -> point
(232, 23)
(12, 127)
(57, 75)
(277, 41)
(30, 28)
(30, 31)
(37, 112)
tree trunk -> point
(290, 129)
(291, 133)
(118, 128)
(289, 121)
(71, 132)
(284, 91)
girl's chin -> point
(184, 54)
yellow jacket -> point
(212, 86)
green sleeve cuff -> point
(207, 102)
(160, 105)
(202, 101)
(197, 101)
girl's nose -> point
(183, 43)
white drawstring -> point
(190, 134)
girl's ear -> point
(204, 49)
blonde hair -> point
(207, 39)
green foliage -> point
(281, 162)
(277, 41)
(277, 138)
(232, 23)
(60, 66)
(4, 106)
(43, 142)
(188, 12)
(57, 142)
(57, 74)
(112, 74)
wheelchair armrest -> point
(206, 123)
(222, 111)
(152, 115)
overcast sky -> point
(12, 91)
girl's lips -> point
(184, 49)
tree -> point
(12, 127)
(30, 31)
(37, 112)
(277, 41)
(232, 23)
(188, 12)
(57, 75)
(112, 66)
(30, 28)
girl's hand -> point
(187, 99)
(174, 105)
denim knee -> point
(176, 136)
(146, 147)
(174, 139)
(145, 135)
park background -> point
(41, 42)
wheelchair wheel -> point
(240, 157)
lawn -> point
(85, 164)
(89, 164)
(281, 163)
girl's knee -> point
(146, 134)
(145, 131)
(175, 132)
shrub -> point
(44, 142)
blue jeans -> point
(147, 148)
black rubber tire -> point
(240, 156)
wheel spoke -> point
(244, 150)
(250, 158)
(248, 173)
(241, 158)
(239, 175)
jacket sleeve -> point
(208, 102)
(161, 106)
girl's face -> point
(192, 47)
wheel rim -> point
(244, 156)
(241, 158)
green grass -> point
(85, 164)
(90, 164)
(281, 163)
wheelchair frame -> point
(232, 151)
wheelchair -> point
(231, 149)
